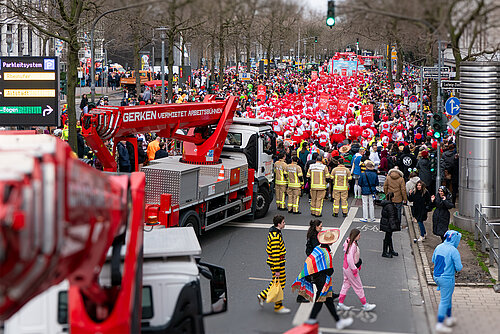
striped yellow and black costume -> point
(276, 252)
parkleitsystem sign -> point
(29, 91)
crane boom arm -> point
(104, 123)
(58, 218)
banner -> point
(261, 92)
(343, 103)
(314, 75)
(323, 101)
(366, 112)
(333, 109)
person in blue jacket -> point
(368, 181)
(446, 259)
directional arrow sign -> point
(452, 106)
(47, 111)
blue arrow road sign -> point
(452, 106)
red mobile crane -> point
(185, 191)
(58, 218)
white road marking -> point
(358, 220)
(259, 279)
(266, 226)
(353, 331)
(304, 310)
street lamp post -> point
(162, 37)
(92, 60)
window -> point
(62, 307)
(20, 45)
(269, 139)
(147, 302)
(233, 139)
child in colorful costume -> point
(446, 259)
(319, 267)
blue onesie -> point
(446, 259)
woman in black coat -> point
(441, 217)
(421, 199)
(389, 222)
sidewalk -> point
(475, 307)
(99, 91)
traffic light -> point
(330, 14)
(437, 125)
(316, 39)
(432, 160)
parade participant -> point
(315, 226)
(356, 170)
(276, 253)
(340, 179)
(318, 174)
(368, 182)
(280, 181)
(441, 216)
(421, 199)
(447, 262)
(351, 267)
(318, 267)
(295, 183)
(389, 223)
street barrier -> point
(485, 232)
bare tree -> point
(61, 19)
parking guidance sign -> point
(29, 91)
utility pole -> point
(438, 153)
(422, 95)
(298, 48)
(162, 36)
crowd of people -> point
(329, 144)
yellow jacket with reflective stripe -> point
(294, 173)
(341, 176)
(280, 173)
(318, 174)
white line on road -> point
(353, 331)
(304, 310)
(259, 279)
(266, 226)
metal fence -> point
(485, 232)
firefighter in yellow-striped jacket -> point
(280, 182)
(295, 183)
(318, 174)
(276, 252)
(340, 178)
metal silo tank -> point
(479, 140)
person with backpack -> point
(368, 181)
(421, 199)
(389, 223)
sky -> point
(317, 5)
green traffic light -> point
(330, 21)
(437, 134)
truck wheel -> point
(190, 218)
(262, 202)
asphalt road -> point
(392, 284)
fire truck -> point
(185, 190)
(64, 221)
